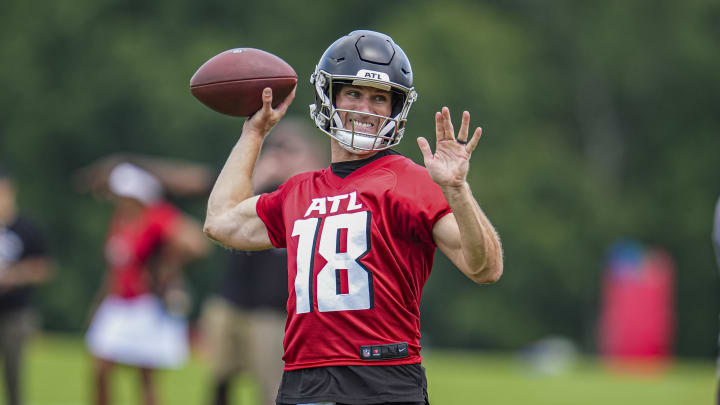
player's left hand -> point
(450, 163)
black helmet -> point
(364, 58)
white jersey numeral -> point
(343, 284)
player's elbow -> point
(211, 228)
(488, 274)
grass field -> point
(58, 373)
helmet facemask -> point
(327, 116)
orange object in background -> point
(636, 327)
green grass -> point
(58, 373)
(474, 378)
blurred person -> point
(24, 263)
(716, 247)
(140, 319)
(361, 234)
(243, 323)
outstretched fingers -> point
(439, 128)
(448, 130)
(444, 130)
(425, 149)
(472, 144)
(462, 136)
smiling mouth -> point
(360, 126)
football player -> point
(360, 234)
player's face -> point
(363, 99)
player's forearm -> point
(480, 243)
(233, 185)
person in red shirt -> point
(139, 321)
(361, 234)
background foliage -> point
(600, 122)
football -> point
(232, 82)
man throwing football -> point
(360, 234)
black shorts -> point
(355, 385)
(384, 403)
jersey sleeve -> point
(421, 205)
(432, 207)
(270, 210)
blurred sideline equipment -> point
(140, 321)
(637, 319)
(242, 324)
(23, 263)
(232, 82)
(551, 355)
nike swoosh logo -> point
(402, 349)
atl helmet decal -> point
(371, 74)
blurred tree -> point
(599, 122)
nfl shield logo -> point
(366, 352)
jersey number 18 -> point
(343, 284)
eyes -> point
(376, 96)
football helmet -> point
(363, 58)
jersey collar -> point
(344, 169)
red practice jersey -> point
(360, 250)
(131, 244)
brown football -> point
(232, 81)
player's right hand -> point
(265, 118)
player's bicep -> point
(239, 227)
